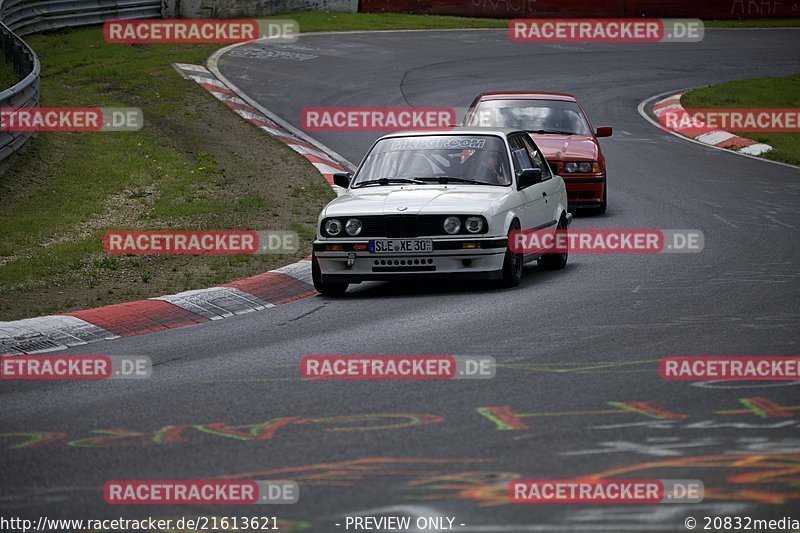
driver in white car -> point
(483, 165)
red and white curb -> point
(276, 287)
(50, 333)
(705, 134)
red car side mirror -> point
(604, 131)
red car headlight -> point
(583, 167)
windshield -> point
(543, 116)
(475, 159)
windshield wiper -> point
(445, 179)
(556, 132)
(386, 181)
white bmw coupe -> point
(439, 205)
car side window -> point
(521, 159)
(538, 160)
(519, 155)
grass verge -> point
(758, 93)
(8, 74)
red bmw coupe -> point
(559, 126)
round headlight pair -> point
(574, 166)
(352, 227)
(452, 225)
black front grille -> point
(373, 226)
(401, 226)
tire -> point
(325, 289)
(555, 261)
(512, 263)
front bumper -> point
(351, 262)
(585, 190)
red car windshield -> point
(542, 116)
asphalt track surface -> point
(568, 342)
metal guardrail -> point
(30, 16)
(23, 17)
(23, 94)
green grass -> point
(8, 74)
(79, 69)
(759, 93)
(114, 71)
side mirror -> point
(529, 176)
(604, 131)
(342, 179)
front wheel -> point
(556, 261)
(513, 263)
(325, 289)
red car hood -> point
(566, 147)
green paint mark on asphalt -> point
(587, 368)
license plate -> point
(400, 246)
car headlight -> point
(452, 225)
(583, 167)
(474, 224)
(353, 227)
(333, 227)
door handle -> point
(544, 193)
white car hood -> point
(416, 199)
